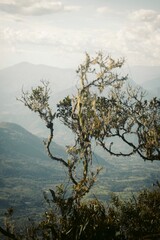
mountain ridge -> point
(23, 141)
(23, 63)
(26, 170)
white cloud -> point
(71, 8)
(144, 15)
(34, 7)
(103, 10)
(139, 39)
(7, 1)
(47, 37)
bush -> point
(137, 218)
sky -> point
(58, 33)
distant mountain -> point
(143, 74)
(148, 77)
(28, 75)
(153, 86)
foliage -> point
(138, 218)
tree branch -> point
(8, 234)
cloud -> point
(71, 8)
(138, 41)
(144, 15)
(34, 7)
(103, 10)
(45, 38)
(140, 38)
(48, 36)
(144, 25)
(137, 37)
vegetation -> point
(104, 110)
(137, 219)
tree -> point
(103, 109)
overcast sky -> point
(58, 33)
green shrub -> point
(138, 218)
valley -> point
(26, 173)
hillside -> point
(26, 170)
(153, 86)
(15, 140)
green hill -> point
(26, 170)
(16, 140)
